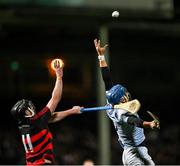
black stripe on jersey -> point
(49, 141)
(40, 156)
(33, 130)
(36, 143)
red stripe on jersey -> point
(48, 147)
(37, 162)
(48, 136)
(42, 160)
(37, 136)
(39, 114)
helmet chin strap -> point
(32, 113)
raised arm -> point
(103, 64)
(101, 51)
(57, 116)
(57, 91)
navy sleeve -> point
(133, 120)
(106, 77)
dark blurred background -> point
(144, 44)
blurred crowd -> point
(73, 146)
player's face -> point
(125, 98)
(29, 113)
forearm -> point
(151, 124)
(58, 116)
(105, 72)
(57, 91)
(106, 77)
(133, 120)
(146, 124)
(56, 95)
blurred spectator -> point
(88, 162)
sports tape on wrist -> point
(101, 57)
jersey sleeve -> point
(43, 116)
(106, 77)
(122, 116)
(136, 121)
(118, 115)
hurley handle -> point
(102, 108)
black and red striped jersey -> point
(37, 139)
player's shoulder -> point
(43, 111)
(116, 113)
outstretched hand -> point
(100, 50)
(58, 66)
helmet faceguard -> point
(117, 93)
(19, 110)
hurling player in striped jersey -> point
(33, 124)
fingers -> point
(105, 46)
(58, 67)
(100, 50)
(155, 124)
(58, 64)
(77, 109)
(55, 64)
(97, 44)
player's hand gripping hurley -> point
(156, 119)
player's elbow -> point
(52, 104)
(53, 118)
(135, 121)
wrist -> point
(146, 124)
(101, 57)
(59, 77)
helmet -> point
(115, 94)
(18, 110)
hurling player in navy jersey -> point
(129, 127)
(33, 124)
